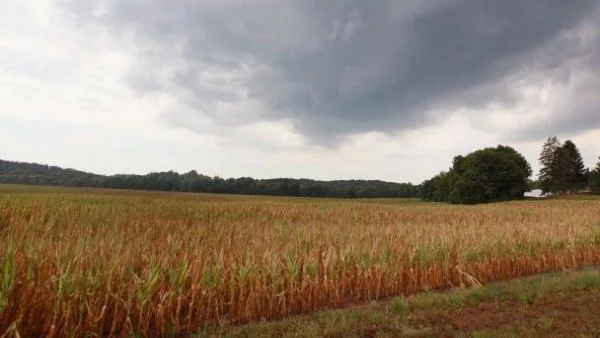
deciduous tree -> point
(486, 175)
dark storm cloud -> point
(342, 67)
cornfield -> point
(77, 262)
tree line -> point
(483, 176)
(37, 174)
(502, 174)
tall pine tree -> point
(595, 179)
(572, 166)
(562, 168)
(548, 159)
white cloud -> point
(51, 71)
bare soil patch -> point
(560, 315)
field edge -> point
(415, 315)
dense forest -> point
(37, 174)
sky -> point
(322, 89)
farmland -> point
(118, 262)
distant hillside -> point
(38, 174)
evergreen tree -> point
(562, 168)
(595, 179)
(574, 173)
(548, 159)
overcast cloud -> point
(314, 84)
(336, 68)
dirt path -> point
(559, 315)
